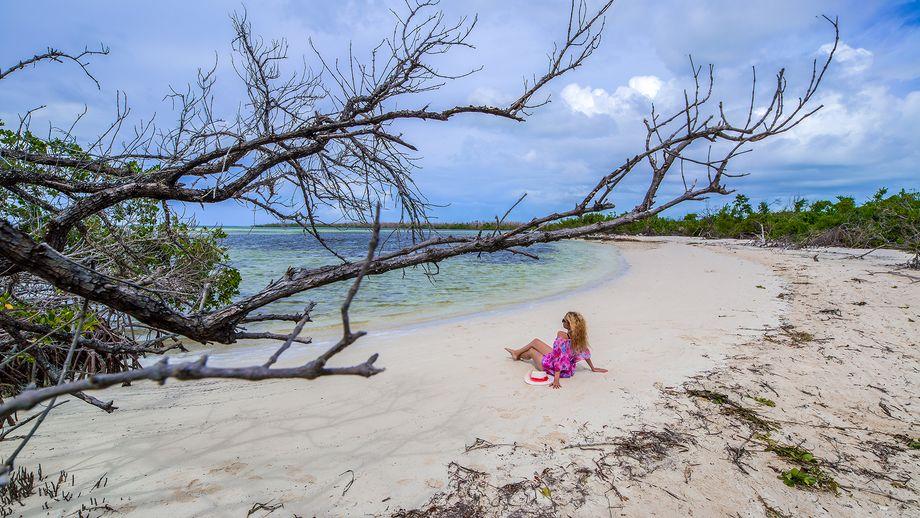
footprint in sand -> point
(232, 468)
(193, 490)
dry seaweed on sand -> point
(646, 446)
(558, 489)
(266, 507)
(482, 444)
(733, 409)
(471, 493)
(787, 334)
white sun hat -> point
(538, 378)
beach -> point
(451, 415)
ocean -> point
(397, 301)
(458, 286)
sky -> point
(475, 167)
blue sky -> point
(865, 137)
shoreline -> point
(327, 335)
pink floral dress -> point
(562, 358)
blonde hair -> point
(578, 331)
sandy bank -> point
(219, 447)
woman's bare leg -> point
(537, 350)
(526, 353)
(537, 359)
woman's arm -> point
(555, 383)
(593, 368)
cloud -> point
(872, 118)
(597, 101)
(591, 102)
(649, 86)
(853, 61)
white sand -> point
(844, 374)
(214, 447)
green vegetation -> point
(790, 452)
(797, 477)
(139, 240)
(134, 239)
(809, 474)
(764, 401)
(587, 219)
(882, 221)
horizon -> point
(475, 168)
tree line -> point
(883, 221)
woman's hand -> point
(593, 368)
(555, 383)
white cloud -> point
(597, 101)
(649, 86)
(591, 102)
(530, 156)
(852, 60)
(854, 128)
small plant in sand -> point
(808, 474)
(811, 477)
(796, 477)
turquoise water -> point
(462, 285)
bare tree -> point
(327, 135)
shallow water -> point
(462, 285)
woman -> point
(569, 347)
